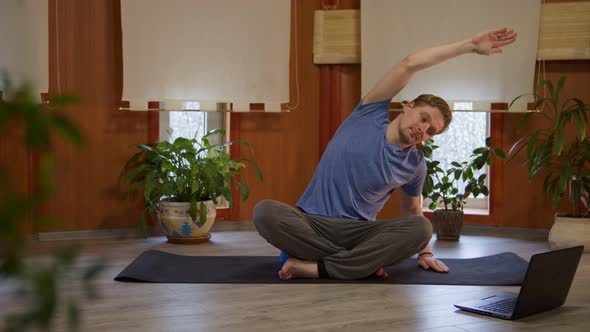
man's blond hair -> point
(438, 103)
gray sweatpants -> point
(347, 249)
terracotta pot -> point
(569, 232)
(178, 225)
(448, 224)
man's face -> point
(419, 123)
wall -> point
(287, 145)
(90, 65)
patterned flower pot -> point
(448, 224)
(178, 225)
(570, 232)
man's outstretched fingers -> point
(441, 267)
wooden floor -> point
(319, 307)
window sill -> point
(466, 211)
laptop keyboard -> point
(504, 306)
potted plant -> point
(561, 152)
(183, 180)
(443, 187)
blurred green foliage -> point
(42, 283)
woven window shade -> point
(390, 30)
(206, 55)
(24, 43)
(565, 31)
(336, 36)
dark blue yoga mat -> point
(157, 266)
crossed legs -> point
(338, 248)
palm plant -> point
(564, 159)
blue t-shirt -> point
(359, 169)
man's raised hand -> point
(491, 42)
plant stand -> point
(448, 224)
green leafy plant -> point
(39, 283)
(186, 170)
(443, 187)
(563, 158)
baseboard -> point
(115, 233)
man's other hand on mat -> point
(428, 262)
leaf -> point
(517, 98)
(250, 147)
(581, 125)
(517, 147)
(559, 141)
(428, 186)
(67, 256)
(203, 214)
(523, 122)
(63, 100)
(63, 125)
(256, 168)
(482, 178)
(560, 85)
(469, 172)
(243, 190)
(499, 153)
(142, 227)
(476, 192)
(446, 187)
(192, 211)
(546, 83)
(480, 150)
(145, 147)
(73, 315)
(488, 141)
(485, 190)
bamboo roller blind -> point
(564, 34)
(565, 31)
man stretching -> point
(333, 233)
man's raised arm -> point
(484, 43)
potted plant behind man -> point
(443, 187)
(561, 152)
(183, 180)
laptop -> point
(546, 284)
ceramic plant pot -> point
(178, 225)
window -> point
(467, 131)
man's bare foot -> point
(381, 273)
(295, 268)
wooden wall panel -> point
(286, 145)
(90, 66)
(15, 162)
